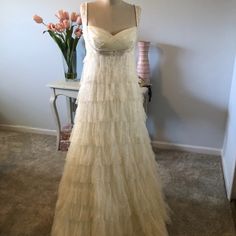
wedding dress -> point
(110, 185)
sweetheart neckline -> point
(112, 35)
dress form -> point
(112, 15)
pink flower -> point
(60, 27)
(51, 27)
(78, 32)
(73, 16)
(38, 19)
(62, 15)
(79, 20)
(66, 23)
(66, 15)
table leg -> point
(145, 102)
(55, 116)
(71, 110)
(74, 106)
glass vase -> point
(70, 66)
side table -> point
(70, 89)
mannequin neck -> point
(112, 2)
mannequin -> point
(112, 15)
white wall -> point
(195, 41)
(29, 60)
(192, 52)
(229, 150)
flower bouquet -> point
(66, 33)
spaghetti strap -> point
(86, 10)
(135, 14)
(83, 13)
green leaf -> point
(61, 36)
(65, 42)
(58, 42)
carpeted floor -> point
(30, 171)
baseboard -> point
(187, 148)
(27, 129)
(226, 180)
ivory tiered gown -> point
(110, 184)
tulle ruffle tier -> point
(110, 184)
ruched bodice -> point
(103, 41)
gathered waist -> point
(91, 53)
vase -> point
(70, 66)
(143, 68)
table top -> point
(62, 84)
(74, 85)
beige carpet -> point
(30, 171)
